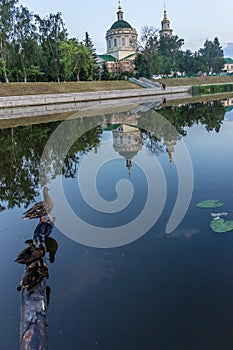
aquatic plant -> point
(209, 203)
(221, 226)
(217, 224)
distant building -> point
(228, 66)
(165, 25)
(228, 103)
(121, 42)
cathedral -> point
(121, 43)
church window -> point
(123, 41)
(115, 42)
(109, 44)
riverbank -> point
(19, 89)
(83, 99)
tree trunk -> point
(4, 72)
(33, 325)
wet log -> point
(34, 292)
(33, 324)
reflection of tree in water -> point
(20, 154)
(159, 131)
(162, 132)
(22, 147)
(209, 114)
(84, 144)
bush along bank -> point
(211, 89)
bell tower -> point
(165, 25)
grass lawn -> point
(197, 80)
(16, 89)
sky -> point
(193, 21)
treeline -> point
(39, 49)
(163, 55)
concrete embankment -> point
(49, 99)
(88, 108)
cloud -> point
(228, 50)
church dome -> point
(120, 24)
(121, 38)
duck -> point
(32, 253)
(41, 208)
(34, 274)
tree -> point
(35, 71)
(7, 21)
(52, 33)
(25, 39)
(148, 60)
(191, 63)
(170, 49)
(158, 55)
(141, 65)
(148, 34)
(212, 56)
(93, 72)
(75, 57)
(105, 74)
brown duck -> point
(34, 252)
(33, 275)
(41, 208)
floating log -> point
(34, 292)
(33, 324)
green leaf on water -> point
(209, 203)
(221, 226)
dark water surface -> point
(164, 291)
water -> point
(163, 290)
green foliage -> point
(34, 72)
(105, 74)
(28, 40)
(211, 89)
(218, 224)
(75, 58)
(211, 56)
(25, 41)
(170, 48)
(164, 55)
(209, 203)
(31, 47)
(141, 66)
(52, 33)
(7, 22)
(158, 55)
(126, 75)
(221, 226)
(92, 70)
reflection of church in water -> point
(170, 148)
(127, 142)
